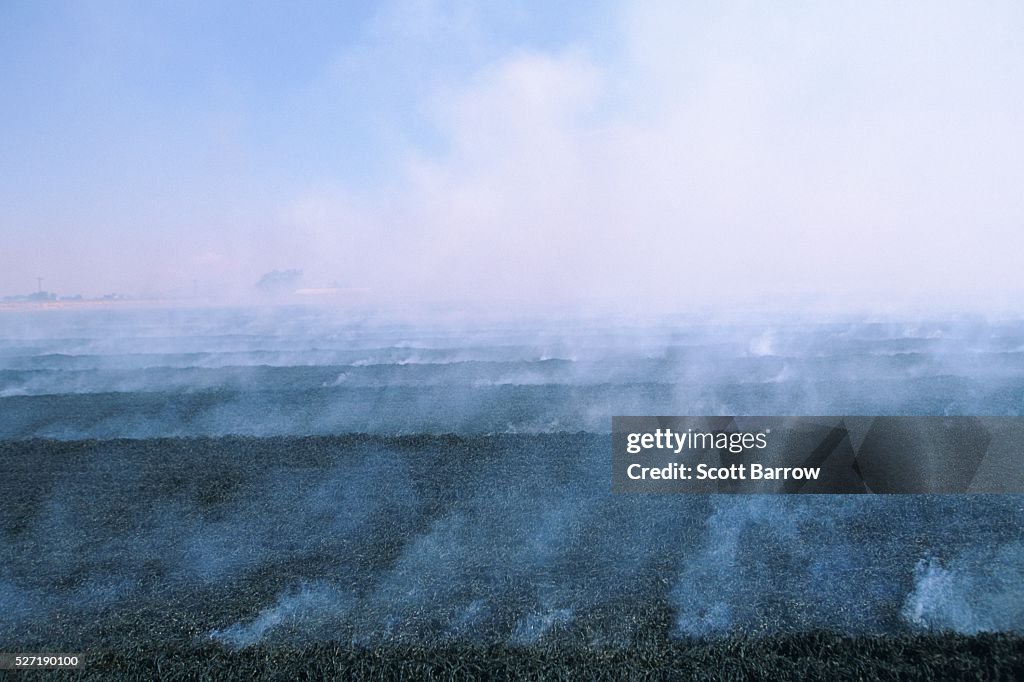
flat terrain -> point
(812, 656)
(503, 554)
(292, 493)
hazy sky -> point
(427, 149)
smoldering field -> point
(240, 478)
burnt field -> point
(293, 493)
(501, 555)
(809, 656)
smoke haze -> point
(244, 476)
(422, 150)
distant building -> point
(42, 296)
(280, 281)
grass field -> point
(227, 496)
(817, 656)
(356, 557)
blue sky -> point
(529, 149)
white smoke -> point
(977, 592)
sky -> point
(534, 151)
